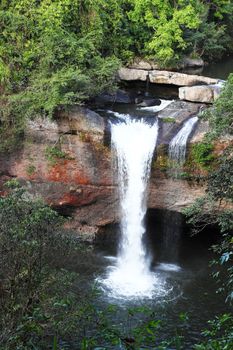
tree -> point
(216, 206)
(221, 115)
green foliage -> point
(202, 154)
(210, 40)
(220, 116)
(209, 210)
(56, 53)
(26, 237)
(54, 153)
(62, 52)
(219, 335)
(166, 24)
(50, 56)
(220, 182)
(31, 169)
(223, 264)
(169, 120)
(42, 303)
(213, 208)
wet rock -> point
(149, 102)
(120, 96)
(173, 117)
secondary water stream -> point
(177, 146)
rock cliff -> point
(68, 163)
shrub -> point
(202, 154)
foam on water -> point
(164, 104)
(168, 267)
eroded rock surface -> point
(66, 163)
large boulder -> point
(179, 79)
(80, 119)
(173, 116)
(148, 102)
(164, 77)
(132, 74)
(200, 93)
(192, 62)
(120, 96)
(75, 120)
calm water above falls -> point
(219, 70)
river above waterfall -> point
(220, 70)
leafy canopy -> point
(54, 53)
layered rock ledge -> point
(195, 88)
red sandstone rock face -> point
(80, 183)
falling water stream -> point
(133, 142)
(177, 146)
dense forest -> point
(55, 53)
(62, 52)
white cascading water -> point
(177, 146)
(164, 104)
(133, 142)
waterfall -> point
(177, 146)
(133, 142)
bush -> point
(220, 116)
(33, 283)
(202, 154)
